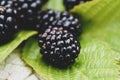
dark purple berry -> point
(52, 18)
(59, 47)
(27, 11)
(8, 24)
(70, 23)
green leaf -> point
(6, 49)
(101, 20)
(55, 5)
(100, 46)
(96, 62)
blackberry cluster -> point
(69, 4)
(8, 24)
(57, 30)
(59, 47)
(22, 14)
(68, 21)
(57, 37)
(28, 11)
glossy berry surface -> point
(8, 24)
(46, 20)
(68, 21)
(27, 11)
(59, 47)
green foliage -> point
(55, 5)
(6, 49)
(101, 21)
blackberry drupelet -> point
(28, 11)
(6, 3)
(8, 24)
(68, 21)
(59, 47)
(69, 4)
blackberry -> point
(47, 19)
(59, 47)
(69, 4)
(69, 22)
(50, 18)
(8, 24)
(28, 11)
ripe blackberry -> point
(28, 11)
(68, 21)
(59, 47)
(47, 19)
(8, 23)
(69, 4)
